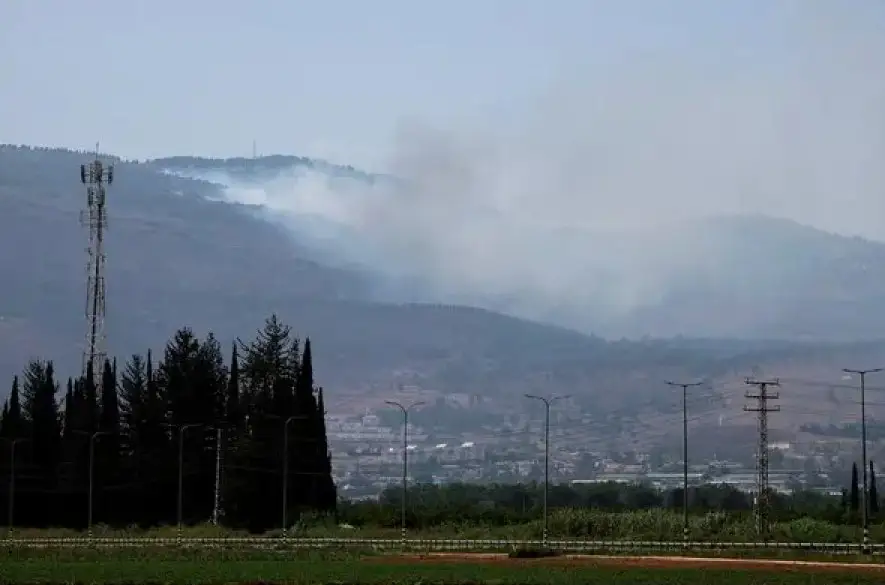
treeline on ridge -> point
(192, 407)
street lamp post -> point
(865, 509)
(12, 444)
(684, 456)
(286, 472)
(285, 500)
(547, 402)
(405, 411)
(182, 429)
(92, 438)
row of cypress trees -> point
(227, 422)
(852, 498)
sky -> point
(512, 121)
(337, 78)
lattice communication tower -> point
(97, 177)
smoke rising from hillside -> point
(577, 197)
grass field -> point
(216, 568)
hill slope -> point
(177, 256)
(745, 276)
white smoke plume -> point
(578, 197)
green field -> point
(651, 524)
(196, 568)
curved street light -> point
(547, 402)
(405, 410)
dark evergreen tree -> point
(193, 381)
(13, 423)
(42, 417)
(855, 490)
(232, 404)
(267, 373)
(107, 447)
(874, 493)
(327, 496)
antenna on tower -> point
(97, 177)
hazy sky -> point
(335, 78)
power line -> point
(762, 408)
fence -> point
(422, 545)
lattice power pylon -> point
(762, 409)
(96, 176)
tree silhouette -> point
(855, 491)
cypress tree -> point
(41, 413)
(13, 425)
(156, 453)
(874, 493)
(327, 497)
(133, 391)
(107, 448)
(232, 401)
(67, 425)
(855, 491)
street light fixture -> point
(92, 438)
(547, 402)
(405, 410)
(685, 388)
(865, 514)
(286, 422)
(182, 429)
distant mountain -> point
(178, 256)
(769, 278)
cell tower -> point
(762, 408)
(96, 176)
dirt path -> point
(639, 562)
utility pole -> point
(685, 387)
(762, 408)
(865, 507)
(547, 402)
(11, 495)
(405, 410)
